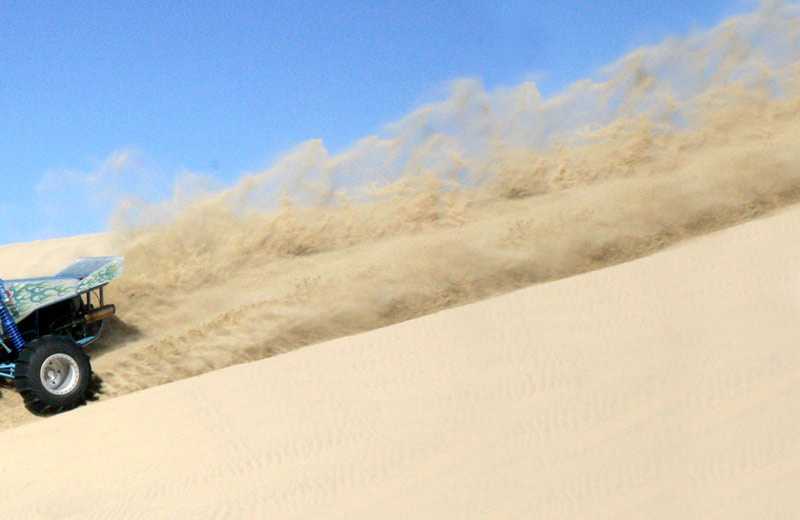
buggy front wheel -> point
(52, 374)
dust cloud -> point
(471, 197)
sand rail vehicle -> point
(46, 322)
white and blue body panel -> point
(82, 276)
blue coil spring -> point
(9, 325)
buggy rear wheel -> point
(52, 374)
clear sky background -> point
(224, 88)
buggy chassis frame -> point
(7, 369)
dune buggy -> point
(46, 322)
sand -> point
(47, 257)
(662, 387)
(666, 387)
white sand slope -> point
(668, 387)
(47, 257)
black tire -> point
(52, 373)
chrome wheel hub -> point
(59, 374)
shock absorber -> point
(9, 325)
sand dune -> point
(46, 257)
(464, 199)
(666, 387)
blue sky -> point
(92, 90)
